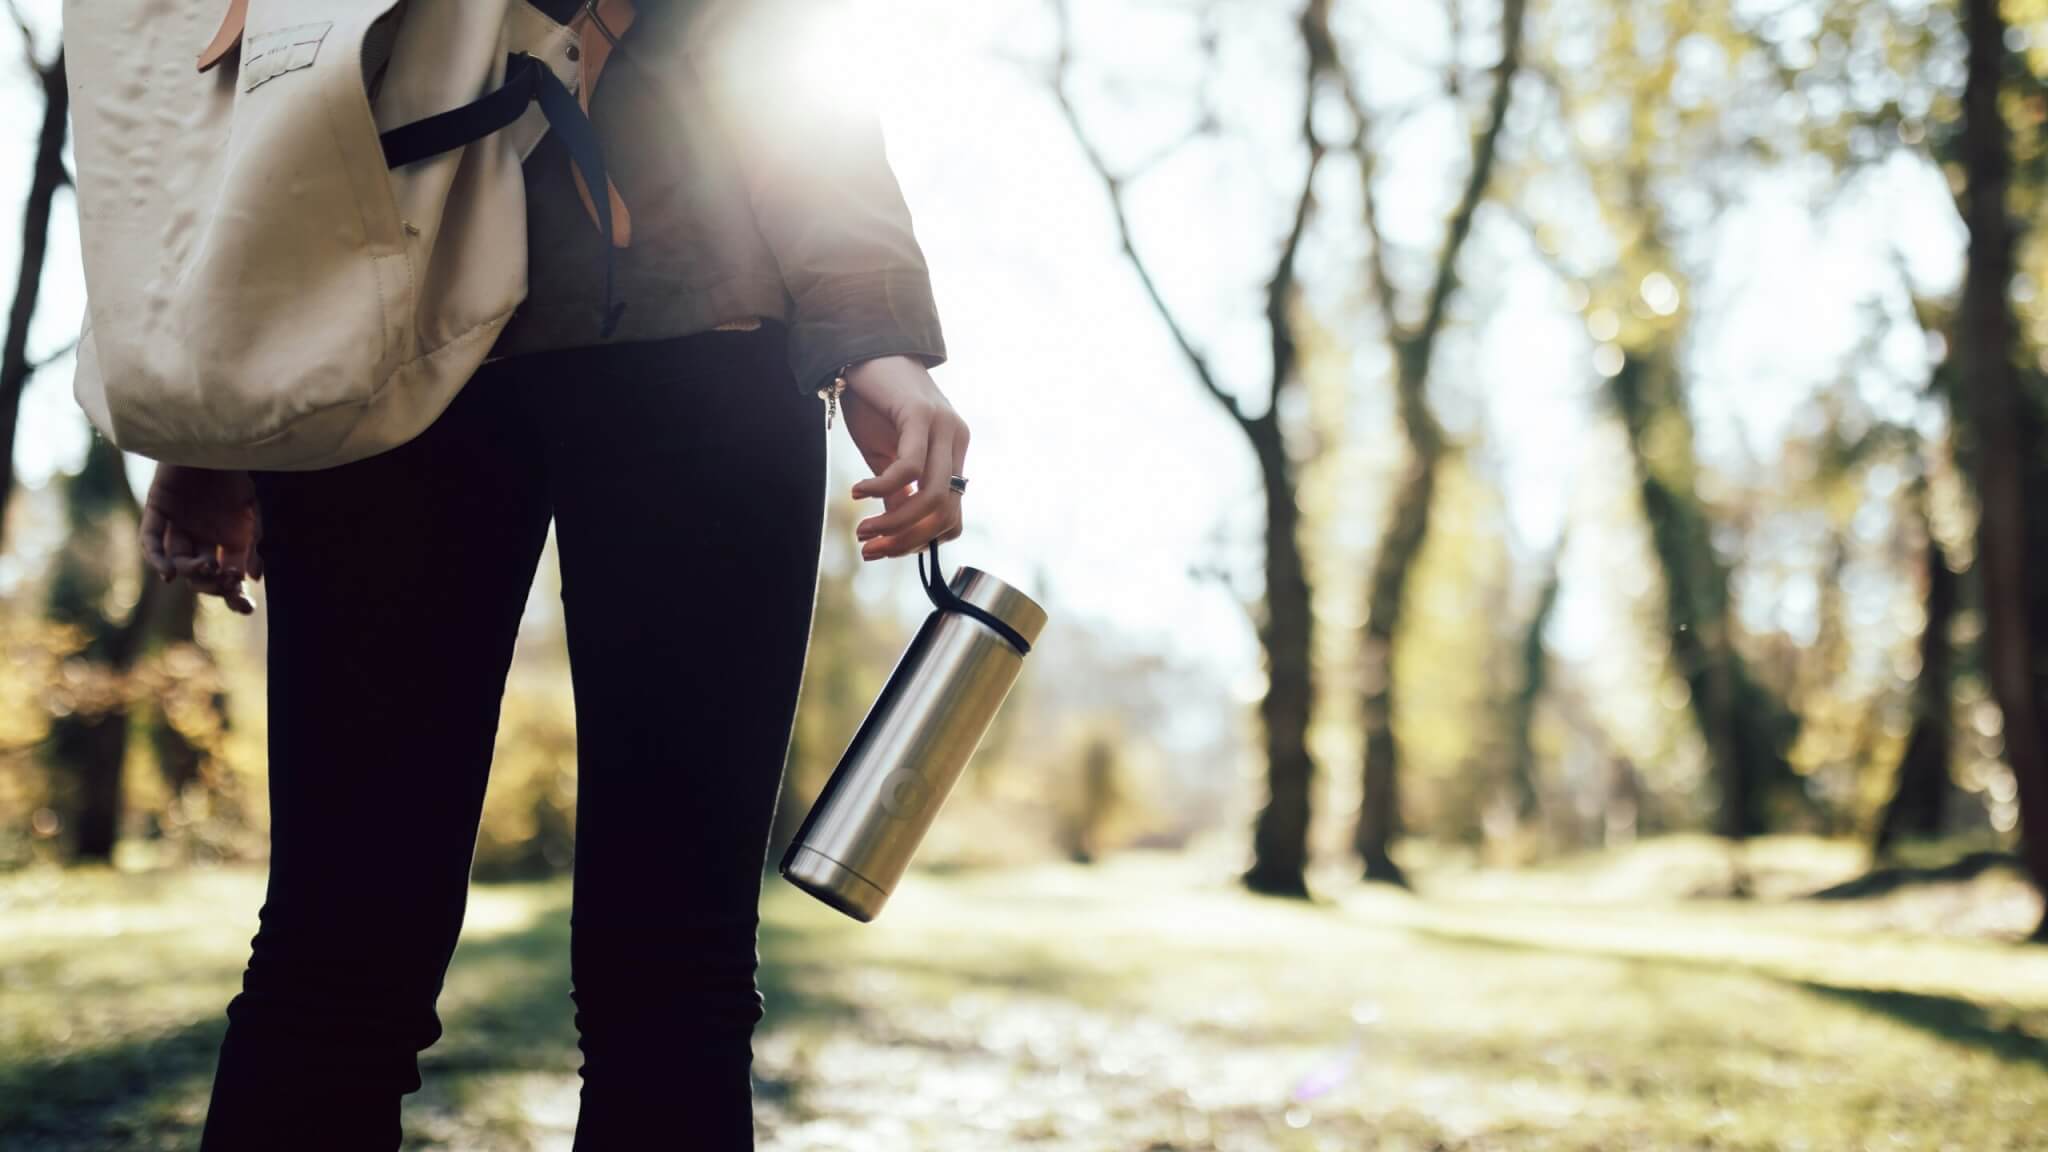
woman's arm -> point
(823, 196)
(828, 206)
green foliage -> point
(1446, 723)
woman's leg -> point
(395, 587)
(688, 480)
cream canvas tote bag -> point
(297, 252)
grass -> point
(1147, 1005)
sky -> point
(1101, 473)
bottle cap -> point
(1000, 600)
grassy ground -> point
(1146, 1005)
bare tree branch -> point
(1485, 152)
(56, 354)
(1165, 152)
(1322, 58)
(1376, 236)
(46, 176)
(1453, 73)
(1281, 285)
(1113, 185)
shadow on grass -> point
(91, 1100)
(134, 1092)
(1950, 1017)
(1953, 1018)
(525, 1022)
(1882, 881)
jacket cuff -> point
(848, 319)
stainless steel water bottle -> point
(874, 811)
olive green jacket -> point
(752, 196)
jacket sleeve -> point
(819, 180)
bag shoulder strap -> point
(527, 81)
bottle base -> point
(833, 883)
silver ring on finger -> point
(958, 484)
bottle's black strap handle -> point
(944, 599)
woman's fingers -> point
(235, 558)
(236, 597)
(911, 440)
(237, 561)
(903, 530)
(227, 586)
(917, 537)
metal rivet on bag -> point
(575, 53)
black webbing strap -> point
(944, 599)
(526, 80)
(447, 131)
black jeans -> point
(686, 481)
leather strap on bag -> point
(228, 38)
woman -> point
(682, 463)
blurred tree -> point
(178, 758)
(1950, 80)
(1094, 800)
(2002, 429)
(47, 175)
(1838, 482)
(1280, 839)
(1746, 728)
(1640, 302)
(1919, 801)
(96, 571)
(1414, 347)
(1456, 664)
(1523, 795)
(188, 711)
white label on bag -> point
(266, 57)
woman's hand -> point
(915, 444)
(203, 525)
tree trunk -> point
(2033, 440)
(93, 748)
(1919, 802)
(89, 744)
(1993, 405)
(1280, 835)
(1521, 765)
(178, 760)
(1745, 727)
(1379, 814)
(45, 179)
(1414, 348)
